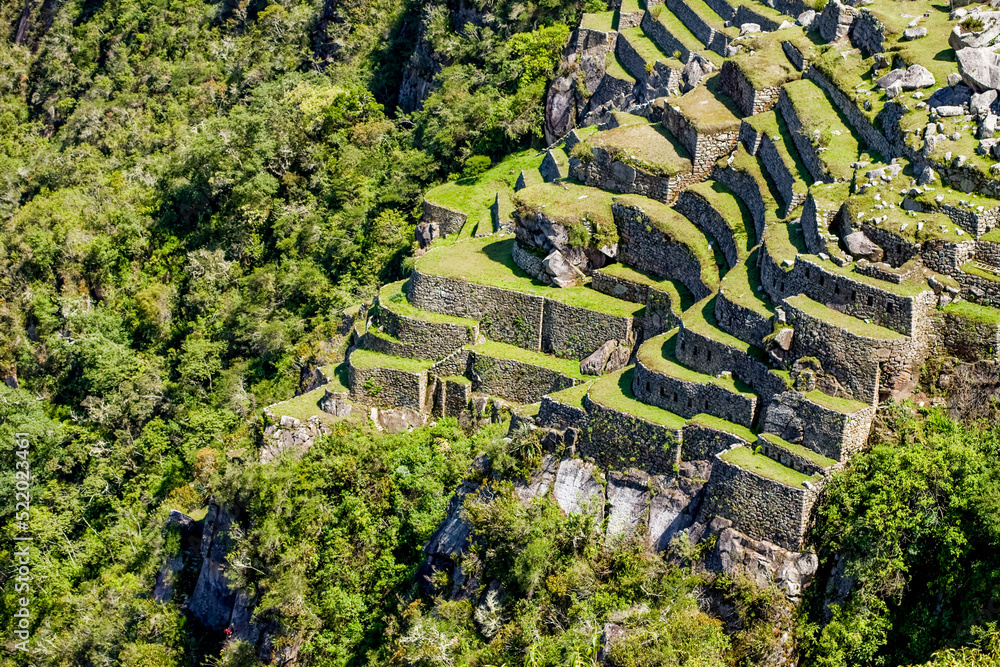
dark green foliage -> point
(915, 522)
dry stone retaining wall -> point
(514, 380)
(757, 506)
(746, 188)
(447, 220)
(967, 339)
(607, 173)
(388, 386)
(620, 440)
(714, 358)
(553, 414)
(782, 177)
(867, 33)
(435, 340)
(669, 44)
(704, 442)
(749, 100)
(696, 208)
(716, 41)
(834, 434)
(858, 121)
(772, 448)
(741, 322)
(705, 148)
(687, 398)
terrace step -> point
(639, 54)
(741, 308)
(520, 375)
(766, 136)
(826, 143)
(665, 299)
(661, 380)
(744, 175)
(719, 213)
(374, 377)
(704, 23)
(793, 455)
(419, 334)
(703, 346)
(673, 37)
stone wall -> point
(741, 322)
(446, 219)
(705, 149)
(607, 173)
(379, 342)
(633, 63)
(696, 208)
(609, 89)
(723, 9)
(388, 386)
(620, 440)
(967, 339)
(457, 363)
(456, 396)
(714, 358)
(803, 142)
(988, 252)
(757, 506)
(553, 414)
(980, 290)
(663, 39)
(435, 340)
(946, 257)
(783, 179)
(854, 360)
(715, 41)
(745, 14)
(704, 442)
(687, 398)
(815, 226)
(642, 246)
(747, 190)
(574, 333)
(898, 251)
(834, 434)
(773, 448)
(794, 55)
(514, 380)
(867, 33)
(749, 100)
(628, 20)
(858, 121)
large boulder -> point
(560, 108)
(980, 103)
(806, 18)
(594, 364)
(911, 78)
(561, 272)
(861, 247)
(980, 68)
(950, 96)
(962, 38)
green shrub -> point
(475, 165)
(582, 152)
(972, 24)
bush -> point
(581, 151)
(475, 166)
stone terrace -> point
(738, 248)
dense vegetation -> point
(190, 193)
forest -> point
(191, 193)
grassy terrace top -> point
(630, 6)
(474, 196)
(732, 210)
(679, 229)
(844, 405)
(568, 367)
(368, 359)
(567, 202)
(647, 49)
(973, 311)
(712, 422)
(909, 287)
(782, 241)
(900, 222)
(700, 319)
(932, 51)
(985, 274)
(764, 63)
(648, 147)
(741, 286)
(487, 261)
(852, 74)
(708, 109)
(572, 396)
(602, 21)
(773, 125)
(816, 112)
(306, 405)
(748, 164)
(848, 323)
(657, 354)
(392, 297)
(615, 391)
(966, 144)
(680, 297)
(676, 27)
(799, 450)
(765, 467)
(614, 67)
(708, 15)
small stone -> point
(748, 28)
(949, 111)
(954, 79)
(914, 33)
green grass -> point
(900, 222)
(647, 49)
(741, 284)
(572, 396)
(530, 410)
(773, 125)
(733, 211)
(614, 67)
(615, 391)
(708, 109)
(974, 270)
(852, 75)
(748, 164)
(568, 203)
(658, 354)
(932, 51)
(783, 241)
(459, 379)
(487, 261)
(393, 298)
(708, 15)
(680, 230)
(602, 21)
(650, 148)
(973, 312)
(568, 367)
(682, 34)
(817, 112)
(336, 375)
(799, 450)
(700, 319)
(474, 197)
(680, 296)
(844, 405)
(966, 144)
(765, 467)
(630, 6)
(848, 323)
(305, 406)
(717, 424)
(911, 287)
(369, 359)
